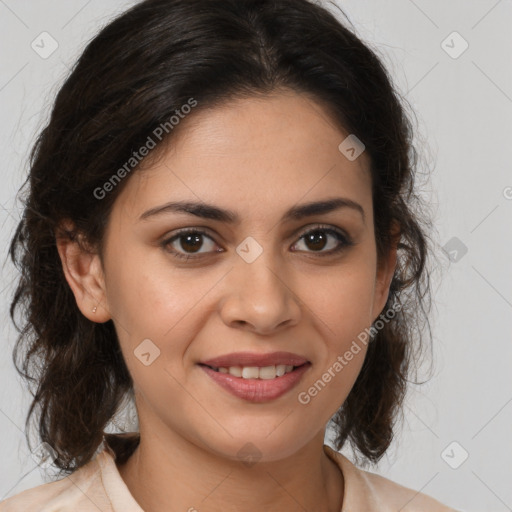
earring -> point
(94, 309)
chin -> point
(267, 446)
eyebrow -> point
(208, 211)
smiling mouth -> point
(257, 384)
(256, 372)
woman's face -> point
(251, 285)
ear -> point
(84, 273)
(385, 272)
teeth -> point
(255, 372)
(236, 371)
(268, 372)
(250, 372)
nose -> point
(260, 297)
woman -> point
(220, 221)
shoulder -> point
(397, 497)
(372, 492)
(79, 491)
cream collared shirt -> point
(98, 486)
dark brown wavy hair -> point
(132, 77)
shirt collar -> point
(357, 494)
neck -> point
(168, 469)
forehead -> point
(255, 153)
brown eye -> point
(187, 243)
(316, 240)
(192, 242)
(320, 238)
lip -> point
(257, 390)
(254, 359)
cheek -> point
(145, 295)
(343, 297)
(157, 310)
(341, 305)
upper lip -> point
(255, 359)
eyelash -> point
(344, 240)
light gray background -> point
(464, 107)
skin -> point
(258, 157)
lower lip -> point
(257, 390)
